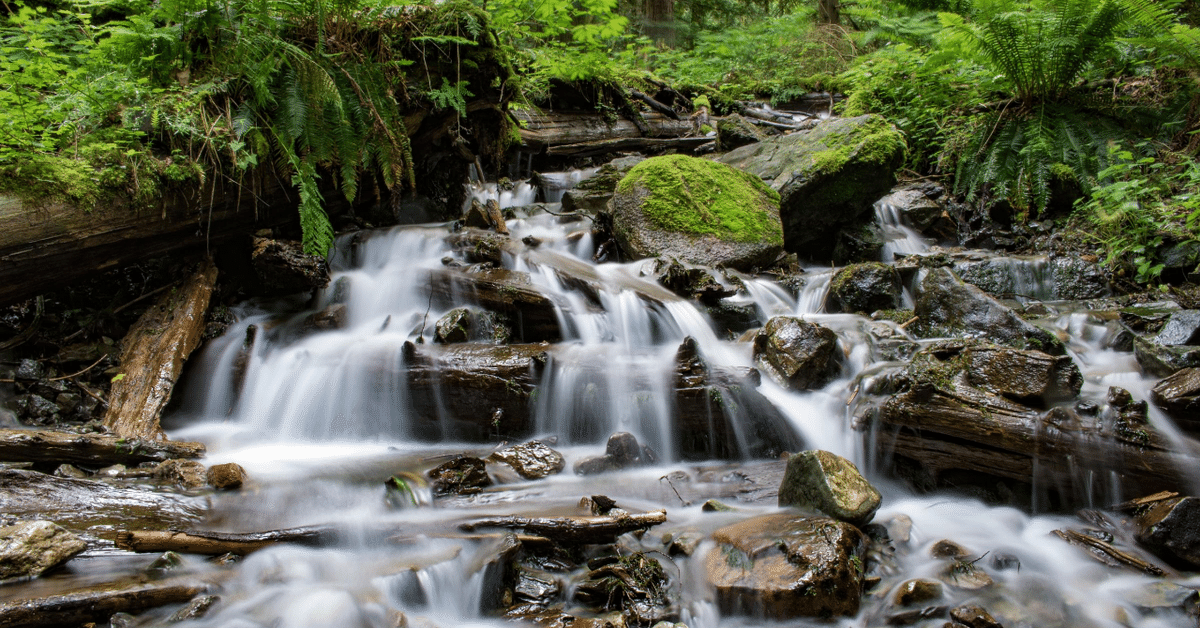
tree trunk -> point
(90, 450)
(660, 21)
(829, 11)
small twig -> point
(854, 395)
(672, 485)
(93, 365)
(89, 392)
(908, 322)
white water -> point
(321, 418)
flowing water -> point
(320, 417)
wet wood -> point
(1108, 554)
(44, 447)
(1143, 502)
(605, 146)
(153, 354)
(78, 504)
(654, 104)
(574, 530)
(217, 543)
(542, 129)
(98, 604)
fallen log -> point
(79, 504)
(98, 604)
(574, 530)
(217, 543)
(45, 447)
(654, 104)
(153, 354)
(541, 129)
(605, 146)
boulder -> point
(698, 211)
(1171, 529)
(863, 243)
(226, 477)
(734, 131)
(1076, 278)
(947, 306)
(532, 460)
(786, 566)
(621, 451)
(454, 326)
(829, 483)
(1163, 360)
(1179, 396)
(827, 177)
(864, 288)
(465, 475)
(922, 206)
(797, 354)
(1030, 377)
(690, 282)
(29, 549)
(592, 195)
(1183, 328)
(282, 267)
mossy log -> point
(623, 144)
(98, 604)
(544, 129)
(574, 530)
(153, 354)
(217, 543)
(44, 447)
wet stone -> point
(866, 287)
(29, 370)
(1163, 597)
(30, 549)
(797, 354)
(70, 471)
(1183, 328)
(973, 616)
(228, 476)
(1171, 529)
(946, 548)
(1163, 360)
(830, 484)
(532, 460)
(919, 591)
(455, 326)
(195, 609)
(624, 448)
(462, 476)
(185, 473)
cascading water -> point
(316, 404)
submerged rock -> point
(30, 549)
(797, 354)
(827, 177)
(464, 475)
(698, 211)
(226, 477)
(947, 306)
(864, 288)
(786, 566)
(690, 282)
(831, 484)
(532, 460)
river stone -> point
(974, 616)
(282, 267)
(917, 591)
(1024, 376)
(185, 473)
(225, 477)
(785, 566)
(1171, 529)
(863, 243)
(829, 483)
(1183, 328)
(1157, 597)
(464, 475)
(947, 306)
(1076, 279)
(921, 206)
(797, 354)
(29, 370)
(29, 549)
(1179, 396)
(734, 131)
(455, 326)
(827, 177)
(864, 288)
(698, 211)
(532, 460)
(1161, 360)
(593, 193)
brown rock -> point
(29, 549)
(186, 473)
(226, 476)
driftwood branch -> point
(98, 604)
(1108, 554)
(93, 450)
(216, 543)
(654, 104)
(581, 529)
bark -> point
(153, 354)
(604, 147)
(654, 104)
(574, 530)
(546, 129)
(660, 21)
(97, 604)
(45, 447)
(829, 11)
(217, 543)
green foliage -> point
(693, 195)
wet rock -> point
(69, 471)
(332, 317)
(1076, 278)
(226, 477)
(797, 354)
(185, 473)
(947, 306)
(966, 575)
(946, 548)
(691, 282)
(196, 609)
(1179, 396)
(786, 566)
(1147, 318)
(921, 205)
(685, 543)
(860, 244)
(477, 216)
(698, 211)
(169, 561)
(283, 268)
(480, 247)
(1163, 597)
(503, 292)
(864, 288)
(827, 178)
(592, 195)
(621, 451)
(455, 326)
(462, 476)
(1030, 377)
(1161, 360)
(38, 410)
(830, 484)
(532, 460)
(918, 591)
(1171, 529)
(537, 588)
(635, 584)
(734, 131)
(973, 616)
(29, 370)
(733, 318)
(29, 549)
(1183, 328)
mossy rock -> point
(827, 177)
(864, 288)
(698, 211)
(734, 131)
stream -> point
(320, 416)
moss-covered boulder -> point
(734, 131)
(829, 483)
(827, 177)
(864, 288)
(697, 211)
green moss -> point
(691, 195)
(874, 142)
(42, 179)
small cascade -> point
(555, 184)
(512, 194)
(1020, 278)
(898, 238)
(812, 296)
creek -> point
(320, 416)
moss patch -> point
(875, 142)
(690, 195)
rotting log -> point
(44, 246)
(217, 543)
(574, 530)
(98, 604)
(612, 145)
(153, 354)
(545, 129)
(44, 447)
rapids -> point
(320, 418)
